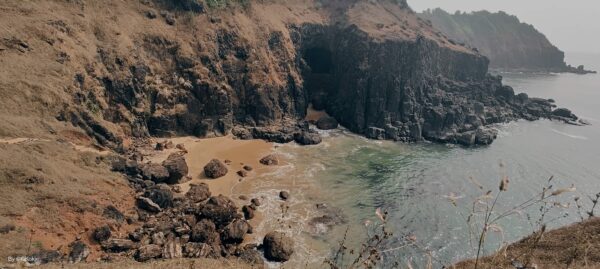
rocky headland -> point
(509, 43)
(94, 83)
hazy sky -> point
(571, 25)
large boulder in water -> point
(307, 138)
(177, 168)
(278, 247)
(215, 169)
(565, 113)
(327, 123)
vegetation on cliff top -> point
(508, 42)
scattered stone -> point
(181, 147)
(150, 14)
(242, 173)
(176, 167)
(198, 192)
(252, 257)
(118, 245)
(164, 145)
(235, 231)
(161, 195)
(243, 197)
(170, 19)
(220, 209)
(327, 123)
(148, 205)
(255, 201)
(205, 231)
(172, 250)
(270, 159)
(102, 234)
(148, 252)
(284, 195)
(79, 252)
(155, 172)
(248, 168)
(227, 161)
(248, 212)
(215, 169)
(198, 250)
(113, 213)
(47, 256)
(158, 238)
(278, 247)
(7, 228)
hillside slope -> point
(508, 42)
(84, 82)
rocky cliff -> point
(120, 70)
(503, 38)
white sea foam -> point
(570, 135)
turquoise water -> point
(414, 183)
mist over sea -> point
(416, 183)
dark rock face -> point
(215, 169)
(400, 89)
(278, 247)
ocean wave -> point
(570, 135)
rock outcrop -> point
(509, 43)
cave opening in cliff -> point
(319, 60)
(318, 77)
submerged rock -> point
(308, 138)
(270, 159)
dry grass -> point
(575, 246)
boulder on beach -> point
(234, 232)
(215, 169)
(220, 209)
(242, 173)
(198, 192)
(284, 195)
(177, 168)
(270, 159)
(155, 172)
(278, 247)
(327, 123)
